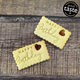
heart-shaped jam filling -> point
(37, 46)
(62, 33)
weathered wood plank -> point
(34, 7)
(16, 32)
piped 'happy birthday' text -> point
(49, 30)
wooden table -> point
(18, 21)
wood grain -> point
(34, 7)
(16, 32)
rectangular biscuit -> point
(52, 32)
(31, 54)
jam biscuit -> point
(31, 54)
(52, 32)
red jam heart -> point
(62, 33)
(37, 46)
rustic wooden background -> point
(16, 32)
(34, 7)
(18, 19)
